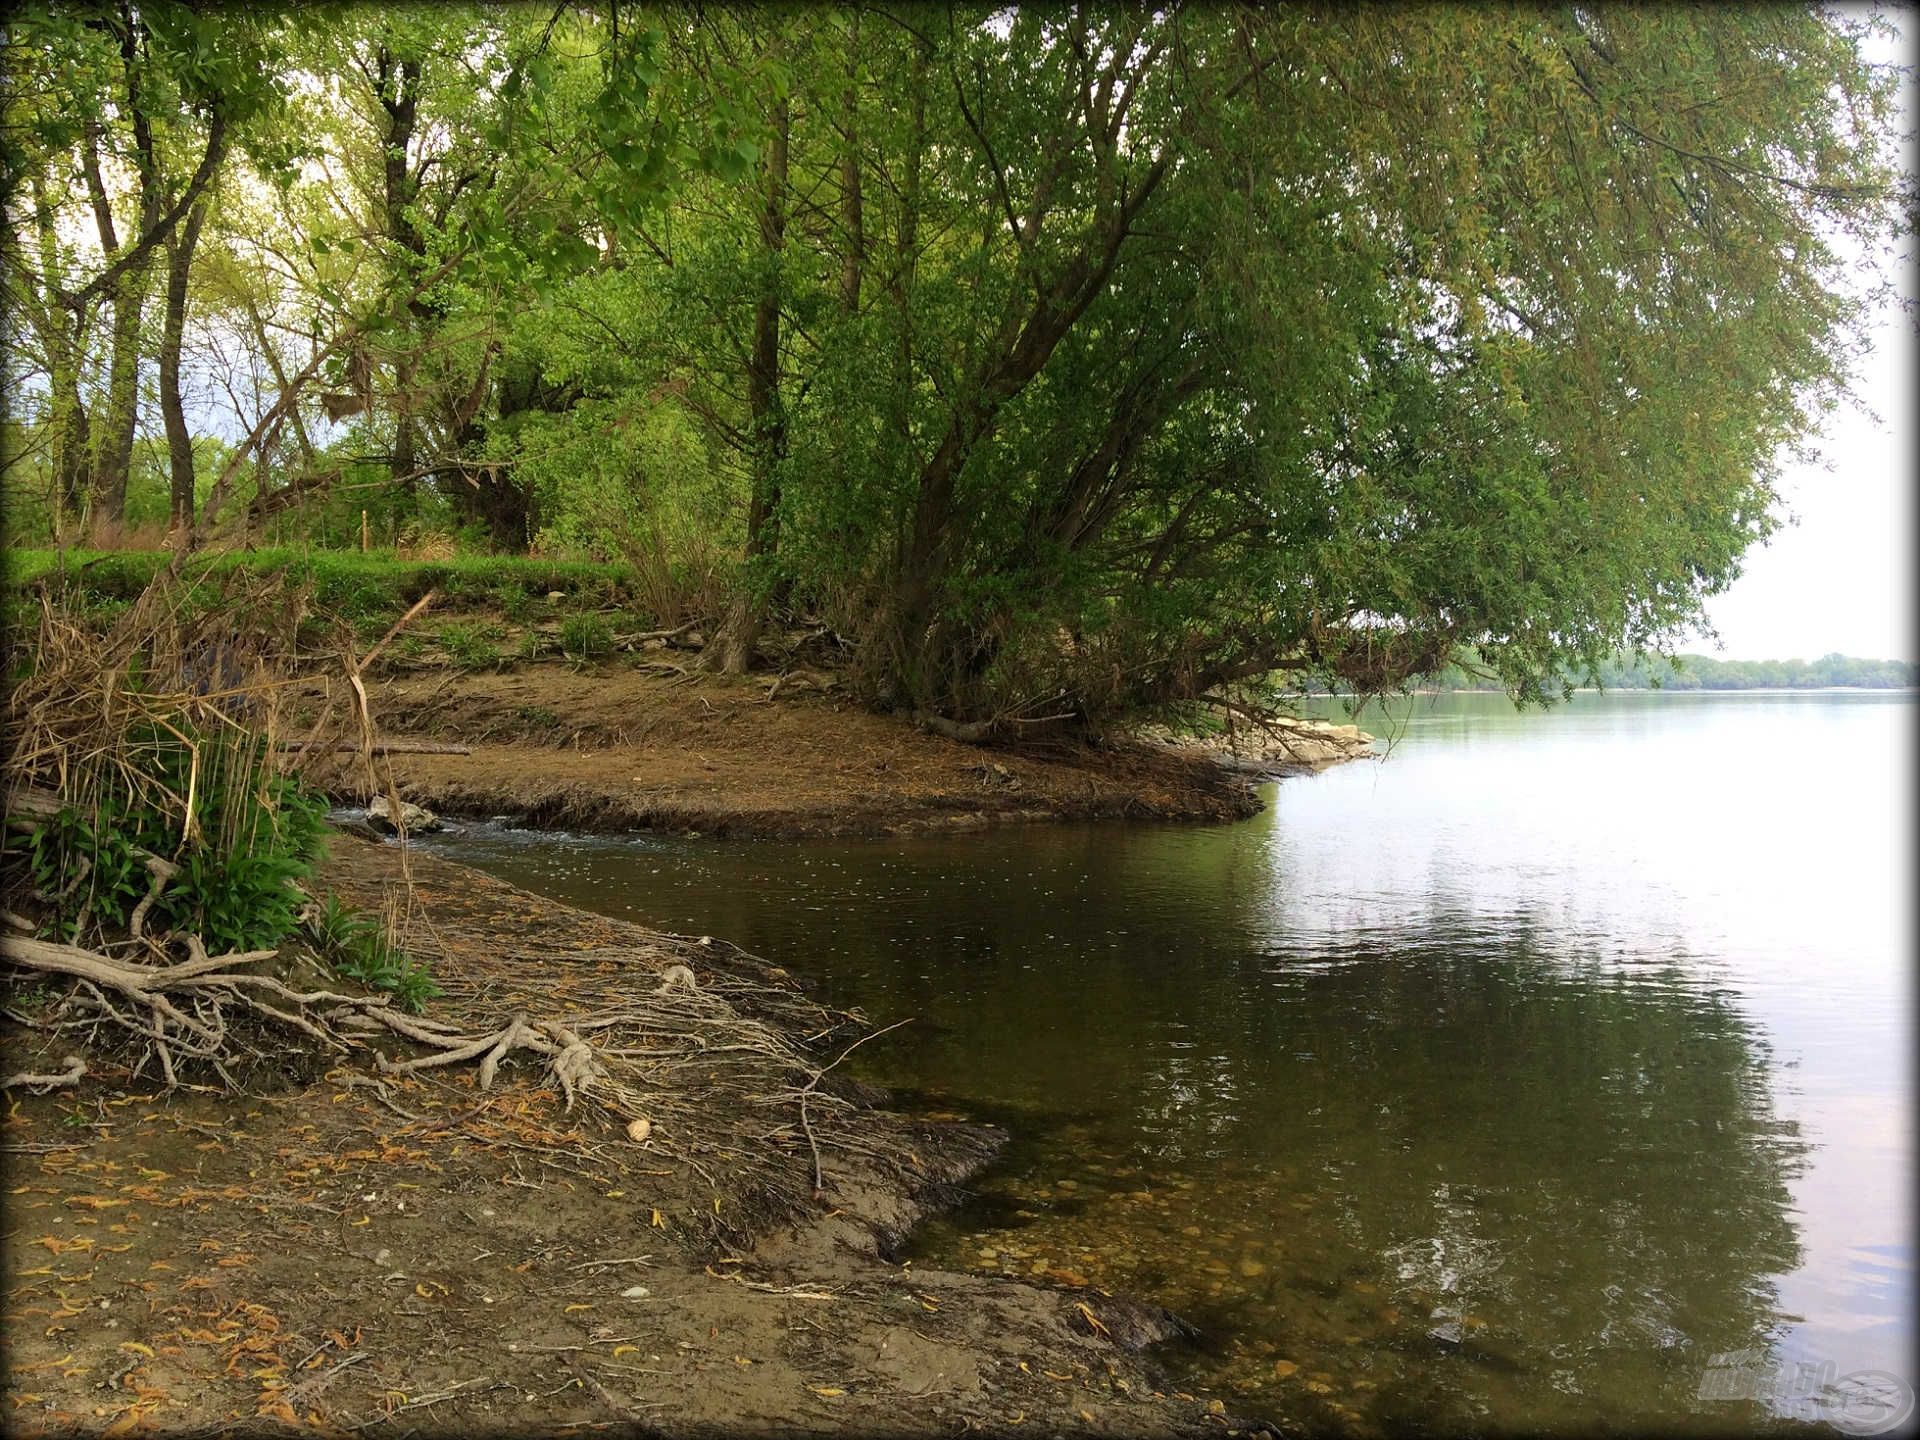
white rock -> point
(416, 818)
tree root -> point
(682, 1069)
(182, 1011)
(76, 1067)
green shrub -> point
(585, 637)
(249, 835)
(470, 647)
(356, 948)
(514, 601)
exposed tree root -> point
(652, 1058)
(76, 1068)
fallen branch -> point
(627, 642)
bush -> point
(158, 743)
(584, 637)
(356, 948)
(469, 647)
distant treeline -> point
(1703, 672)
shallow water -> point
(1504, 1083)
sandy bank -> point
(621, 748)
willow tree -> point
(1243, 341)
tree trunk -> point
(850, 217)
(740, 635)
(172, 410)
(1021, 349)
(397, 87)
(62, 331)
(113, 455)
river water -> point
(1513, 1081)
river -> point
(1514, 1081)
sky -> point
(1841, 577)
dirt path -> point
(620, 748)
(413, 1256)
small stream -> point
(1513, 1082)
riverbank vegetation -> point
(1706, 672)
(1059, 364)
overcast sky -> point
(1841, 577)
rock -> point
(416, 818)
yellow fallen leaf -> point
(1052, 1376)
(826, 1390)
(616, 1194)
(1092, 1319)
(659, 1221)
(620, 1350)
(363, 1220)
(136, 1347)
(572, 1308)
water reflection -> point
(1459, 1187)
(1445, 1092)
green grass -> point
(585, 637)
(470, 647)
(346, 584)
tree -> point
(1064, 362)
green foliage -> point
(585, 637)
(1627, 671)
(1065, 362)
(358, 949)
(247, 838)
(374, 587)
(469, 647)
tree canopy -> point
(1063, 361)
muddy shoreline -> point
(621, 749)
(348, 1253)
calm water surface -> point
(1502, 1083)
